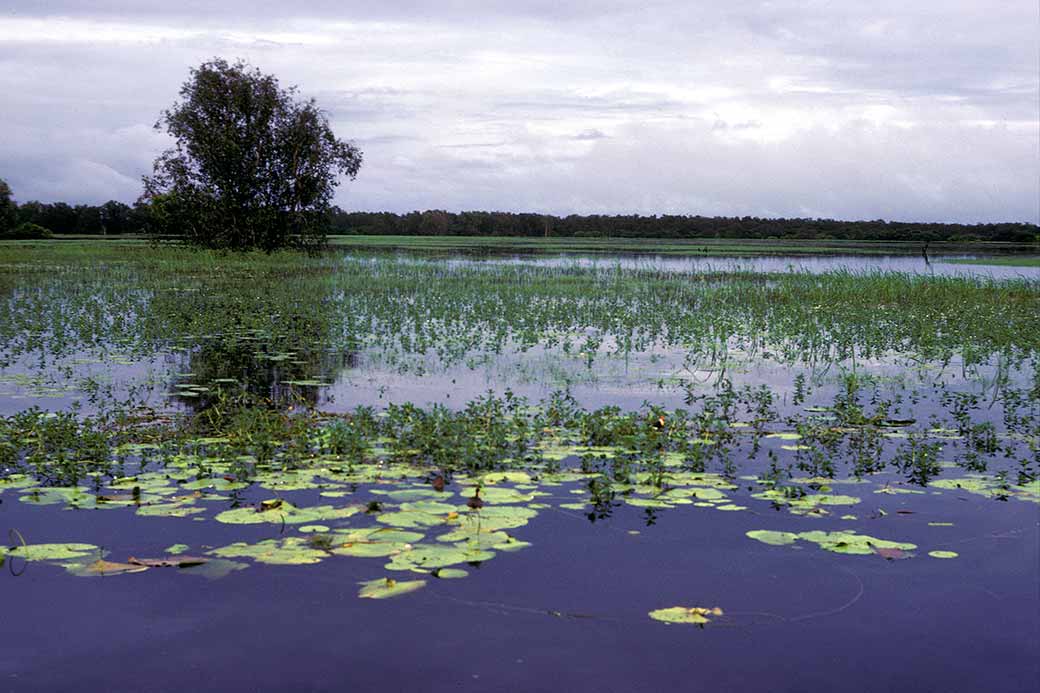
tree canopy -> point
(252, 166)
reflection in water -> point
(274, 347)
(219, 368)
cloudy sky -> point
(923, 110)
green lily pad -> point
(943, 554)
(493, 518)
(449, 573)
(53, 552)
(179, 508)
(75, 496)
(847, 542)
(414, 494)
(288, 551)
(773, 538)
(436, 556)
(384, 588)
(285, 512)
(215, 484)
(496, 495)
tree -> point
(252, 166)
(8, 208)
(115, 217)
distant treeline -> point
(115, 218)
(110, 218)
(439, 223)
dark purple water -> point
(568, 613)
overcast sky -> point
(921, 110)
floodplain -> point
(518, 471)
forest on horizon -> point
(117, 218)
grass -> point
(143, 299)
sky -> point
(919, 111)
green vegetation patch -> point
(846, 542)
(384, 588)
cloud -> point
(786, 107)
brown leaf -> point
(103, 567)
(892, 554)
(168, 562)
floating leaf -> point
(847, 542)
(102, 567)
(413, 494)
(168, 562)
(384, 588)
(287, 513)
(437, 556)
(498, 495)
(943, 554)
(179, 508)
(682, 614)
(75, 496)
(288, 551)
(772, 538)
(449, 573)
(53, 552)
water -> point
(570, 611)
(914, 264)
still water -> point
(570, 611)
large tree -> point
(252, 165)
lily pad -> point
(53, 552)
(288, 551)
(287, 513)
(767, 536)
(696, 615)
(847, 542)
(383, 588)
(101, 567)
(437, 556)
(449, 573)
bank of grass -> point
(701, 247)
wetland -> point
(513, 471)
